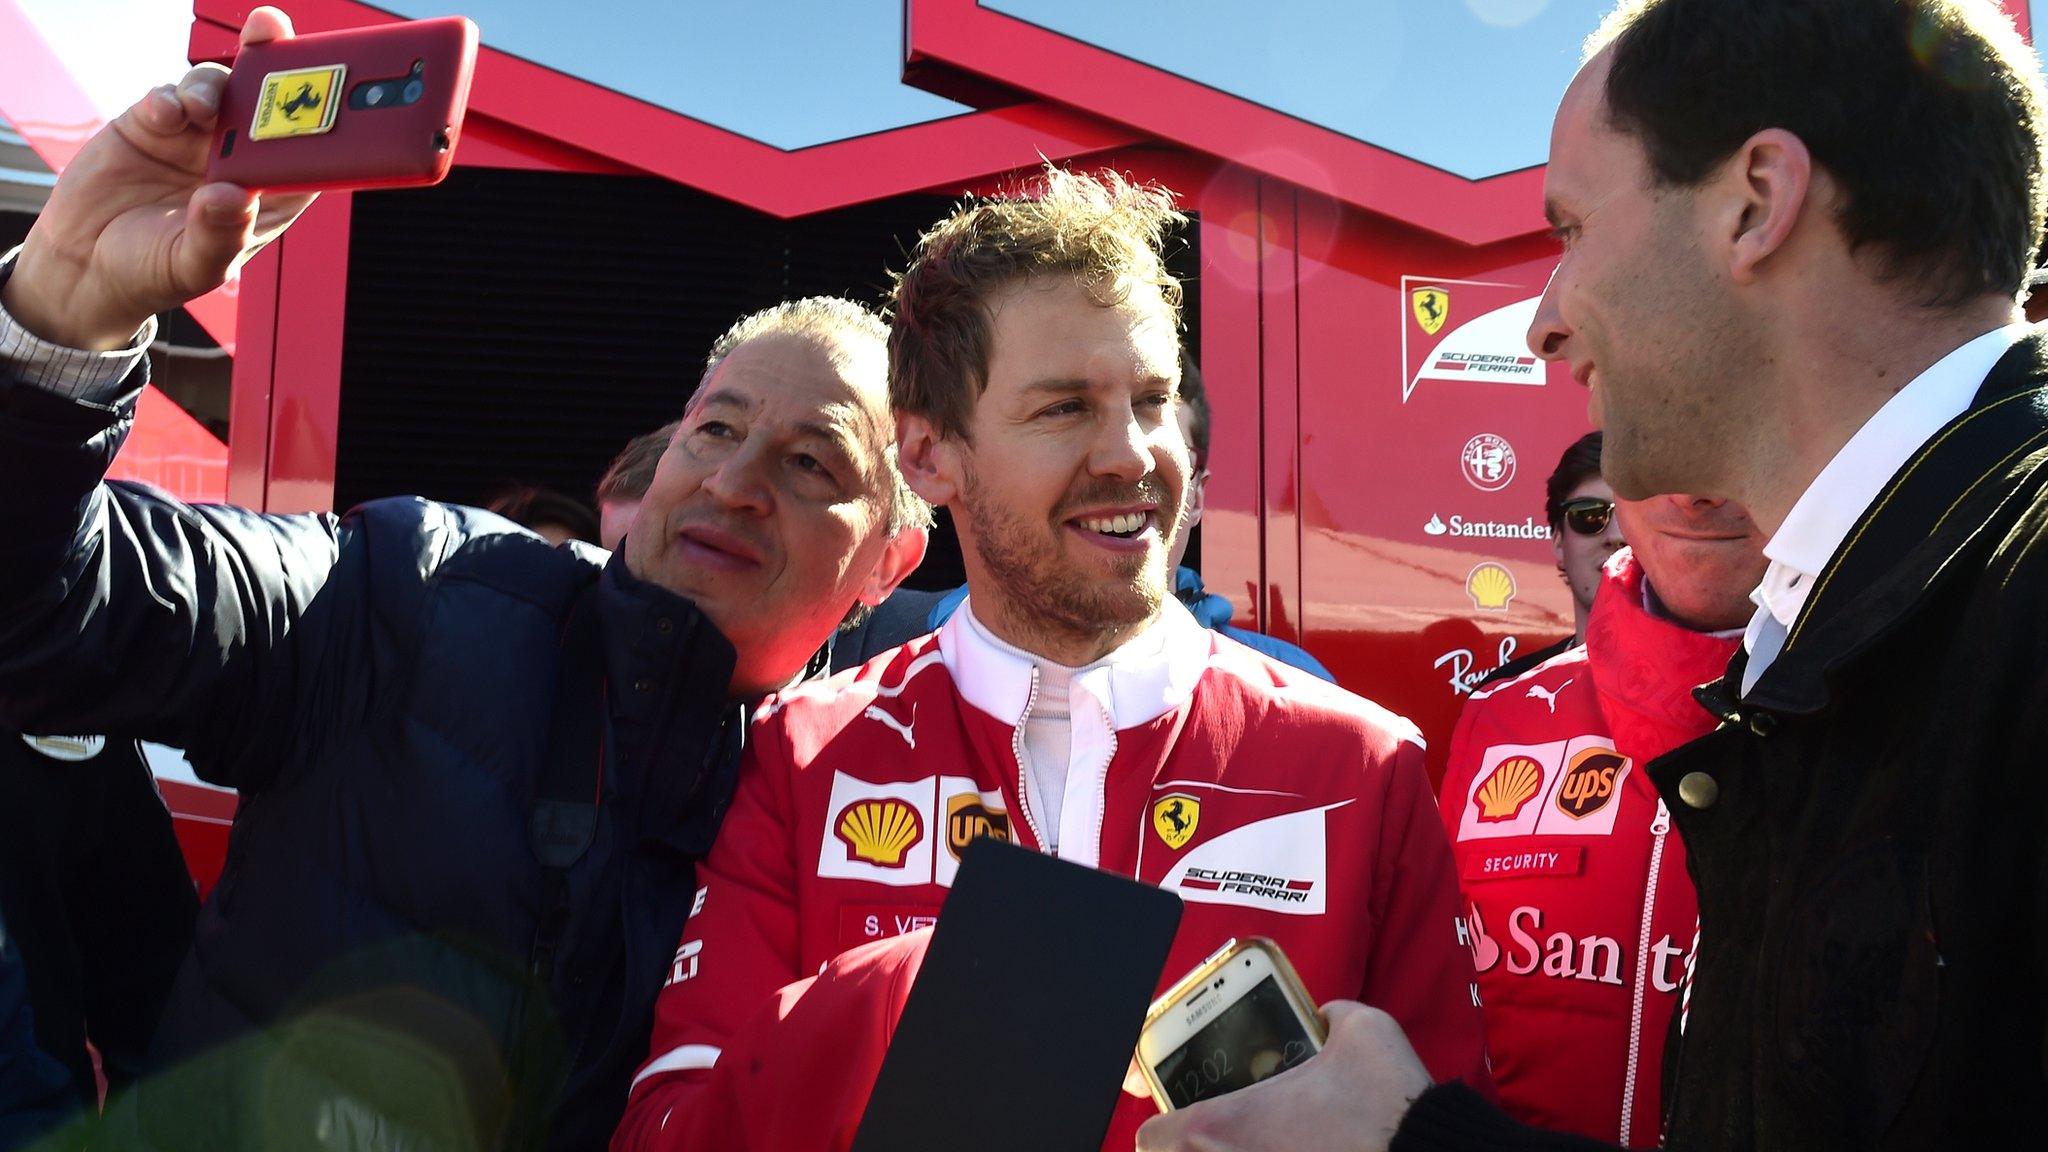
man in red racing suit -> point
(1071, 705)
(1580, 914)
(1274, 804)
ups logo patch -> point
(1589, 782)
(968, 818)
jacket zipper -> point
(1102, 791)
(1659, 828)
(1023, 774)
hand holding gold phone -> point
(1241, 1016)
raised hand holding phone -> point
(133, 227)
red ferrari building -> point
(1366, 250)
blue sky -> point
(1465, 85)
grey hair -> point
(834, 323)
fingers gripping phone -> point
(1242, 1015)
(377, 107)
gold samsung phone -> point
(1242, 1015)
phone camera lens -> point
(373, 95)
(414, 89)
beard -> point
(1043, 591)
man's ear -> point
(1768, 182)
(901, 555)
(929, 461)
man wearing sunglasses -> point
(1583, 533)
(1577, 906)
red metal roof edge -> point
(549, 103)
(1011, 52)
(999, 49)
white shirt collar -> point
(1144, 678)
(1821, 519)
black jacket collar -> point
(652, 633)
(1910, 540)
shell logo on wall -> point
(1491, 587)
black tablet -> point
(1026, 1011)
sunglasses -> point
(1588, 515)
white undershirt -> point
(1048, 731)
(1049, 745)
(1814, 529)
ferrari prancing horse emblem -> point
(1432, 307)
(1174, 817)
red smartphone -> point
(373, 107)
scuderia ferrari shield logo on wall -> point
(1174, 817)
(1432, 307)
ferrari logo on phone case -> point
(301, 102)
(1174, 817)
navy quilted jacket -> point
(379, 686)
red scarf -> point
(1645, 667)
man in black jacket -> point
(476, 770)
(1794, 232)
(36, 1093)
(95, 890)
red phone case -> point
(333, 110)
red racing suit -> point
(1274, 803)
(1581, 916)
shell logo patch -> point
(1174, 817)
(879, 831)
(1589, 782)
(301, 102)
(1509, 789)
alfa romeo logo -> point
(1488, 462)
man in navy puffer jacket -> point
(476, 771)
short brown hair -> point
(632, 471)
(1102, 229)
(1927, 113)
(1194, 400)
(1580, 463)
(530, 506)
